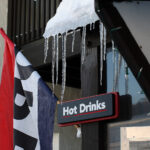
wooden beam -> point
(10, 19)
(94, 135)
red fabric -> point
(7, 95)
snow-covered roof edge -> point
(70, 15)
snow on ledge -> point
(70, 15)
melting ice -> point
(53, 60)
(83, 43)
(73, 39)
(57, 57)
(64, 38)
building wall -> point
(3, 24)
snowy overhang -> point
(70, 15)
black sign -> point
(89, 109)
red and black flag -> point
(27, 105)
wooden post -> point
(94, 135)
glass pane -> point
(140, 104)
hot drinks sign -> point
(89, 109)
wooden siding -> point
(27, 19)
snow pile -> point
(70, 15)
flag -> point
(34, 107)
(6, 95)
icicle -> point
(57, 57)
(101, 27)
(73, 40)
(93, 25)
(113, 50)
(79, 133)
(64, 38)
(105, 40)
(83, 45)
(126, 78)
(53, 61)
(46, 49)
(115, 69)
(114, 66)
(118, 71)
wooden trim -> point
(37, 19)
(27, 24)
(23, 12)
(32, 19)
(52, 8)
(18, 21)
(10, 19)
(27, 19)
(42, 16)
(14, 20)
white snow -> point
(70, 15)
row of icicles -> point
(117, 58)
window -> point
(140, 104)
